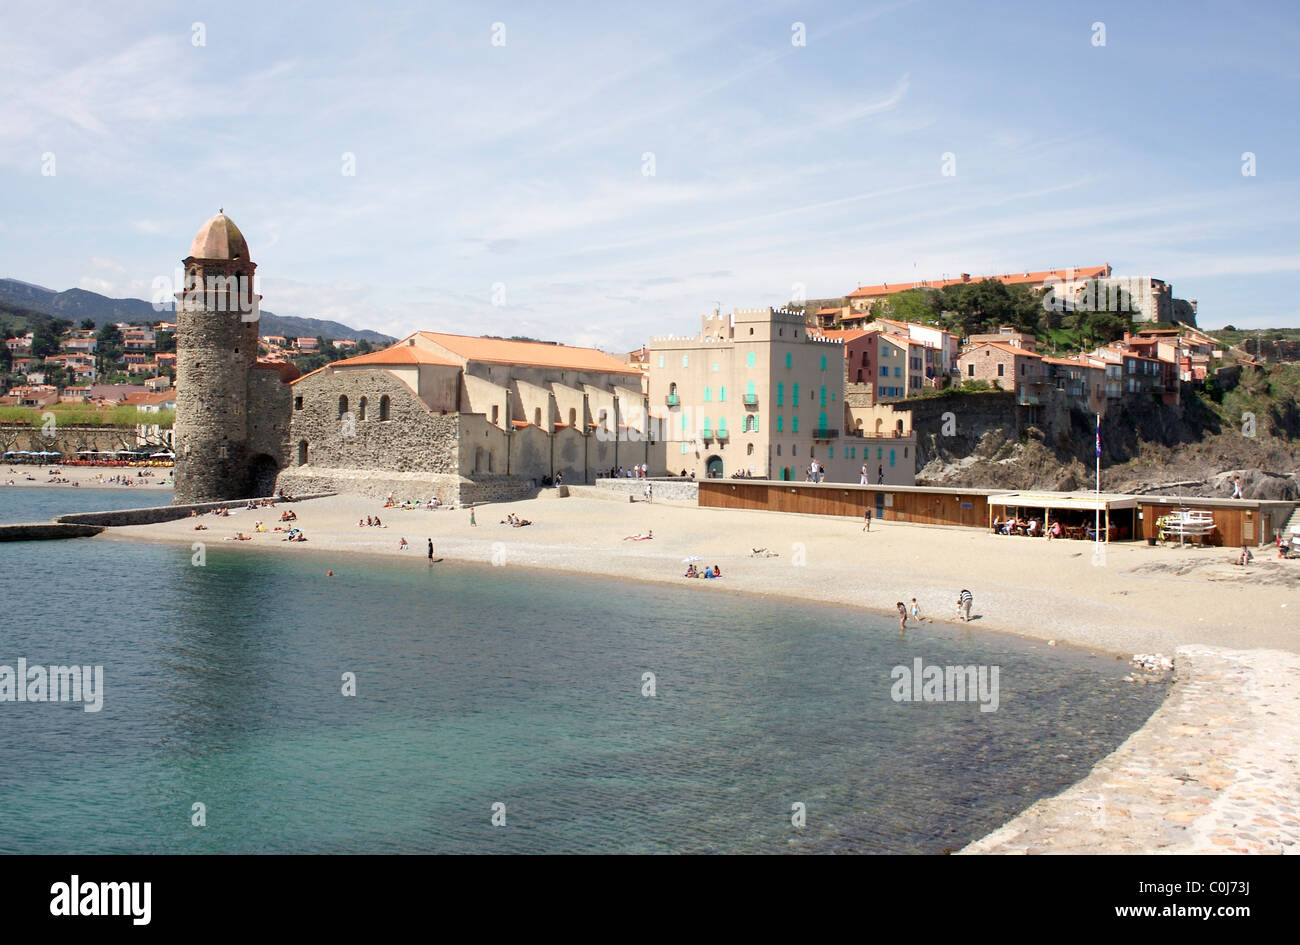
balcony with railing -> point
(751, 401)
(672, 400)
(825, 433)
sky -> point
(598, 174)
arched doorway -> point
(261, 476)
(714, 467)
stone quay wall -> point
(675, 489)
(1216, 769)
(160, 513)
(42, 531)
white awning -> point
(1077, 501)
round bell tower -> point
(216, 347)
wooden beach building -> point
(1253, 522)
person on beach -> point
(964, 601)
(401, 544)
(915, 611)
(1245, 557)
(902, 616)
(1236, 487)
(471, 517)
(866, 519)
(430, 549)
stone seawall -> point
(675, 489)
(43, 531)
(160, 513)
(1216, 769)
(451, 489)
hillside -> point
(1194, 449)
(19, 301)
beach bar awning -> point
(1072, 501)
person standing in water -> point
(430, 549)
(902, 617)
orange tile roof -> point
(847, 334)
(1011, 278)
(398, 354)
(1070, 361)
(536, 353)
(1010, 349)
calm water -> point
(478, 685)
(21, 504)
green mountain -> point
(23, 305)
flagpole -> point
(1097, 524)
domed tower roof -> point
(219, 238)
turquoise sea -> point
(480, 686)
(28, 504)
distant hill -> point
(20, 300)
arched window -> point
(384, 404)
(361, 409)
(302, 452)
(343, 406)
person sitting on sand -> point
(194, 513)
(521, 522)
(259, 527)
(639, 537)
(708, 573)
(401, 545)
(717, 572)
(200, 528)
(1245, 557)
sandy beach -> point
(1135, 599)
(83, 477)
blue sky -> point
(522, 166)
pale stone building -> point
(754, 394)
(467, 419)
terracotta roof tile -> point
(1011, 349)
(397, 355)
(537, 353)
(1011, 278)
